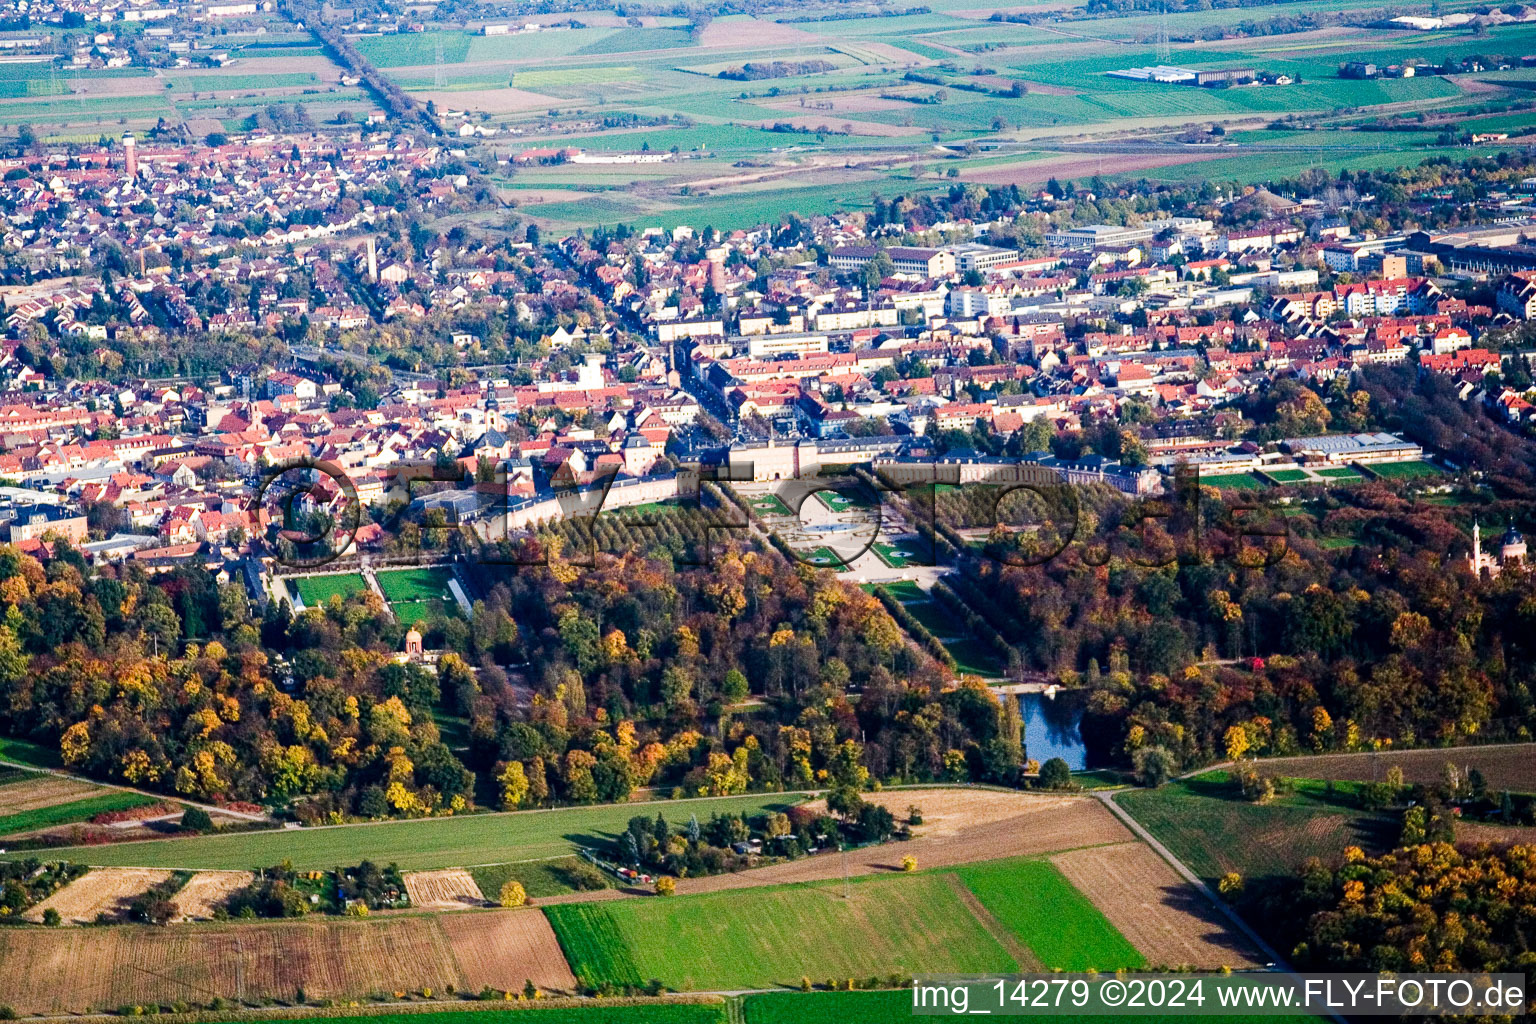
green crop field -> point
(768, 937)
(1402, 470)
(895, 1007)
(79, 810)
(1197, 819)
(317, 590)
(1046, 913)
(415, 844)
(410, 48)
(594, 947)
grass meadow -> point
(417, 844)
(1197, 818)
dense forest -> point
(1427, 907)
(637, 671)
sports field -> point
(417, 844)
(315, 591)
(1287, 476)
(763, 938)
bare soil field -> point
(207, 891)
(836, 123)
(450, 889)
(102, 891)
(1477, 832)
(1035, 172)
(505, 948)
(73, 970)
(146, 86)
(959, 827)
(739, 32)
(48, 791)
(1162, 915)
(1509, 766)
(491, 101)
(322, 66)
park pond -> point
(1052, 727)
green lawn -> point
(416, 594)
(904, 591)
(769, 937)
(315, 591)
(1287, 476)
(1240, 481)
(893, 555)
(415, 584)
(933, 616)
(973, 657)
(78, 810)
(823, 557)
(417, 844)
(1047, 913)
(769, 505)
(539, 877)
(1403, 470)
(1197, 819)
(834, 501)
